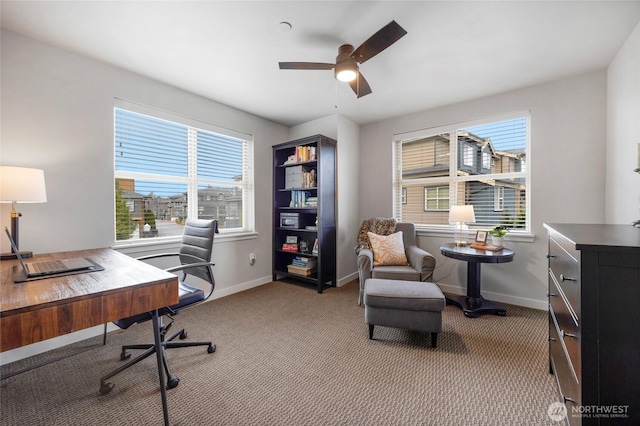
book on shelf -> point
(289, 247)
(304, 262)
(300, 199)
(305, 153)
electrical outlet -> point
(252, 258)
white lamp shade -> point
(22, 185)
(461, 214)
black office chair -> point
(195, 259)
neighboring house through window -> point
(169, 168)
(478, 163)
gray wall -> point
(623, 133)
(57, 115)
(347, 133)
(568, 133)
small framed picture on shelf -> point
(315, 247)
(292, 239)
(481, 237)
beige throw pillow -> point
(387, 250)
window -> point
(468, 155)
(436, 198)
(442, 163)
(486, 160)
(169, 168)
(498, 198)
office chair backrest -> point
(197, 241)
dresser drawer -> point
(565, 268)
(567, 384)
(567, 328)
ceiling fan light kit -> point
(346, 66)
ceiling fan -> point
(346, 66)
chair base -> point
(150, 349)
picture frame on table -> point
(481, 237)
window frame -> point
(525, 234)
(247, 186)
(438, 199)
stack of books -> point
(312, 202)
(302, 266)
(289, 247)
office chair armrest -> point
(154, 256)
(422, 261)
(189, 266)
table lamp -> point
(20, 185)
(460, 215)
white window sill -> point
(139, 247)
(447, 232)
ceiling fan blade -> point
(360, 86)
(305, 66)
(384, 38)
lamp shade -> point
(22, 185)
(461, 214)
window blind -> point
(483, 164)
(167, 171)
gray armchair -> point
(420, 268)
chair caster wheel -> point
(172, 382)
(105, 388)
(183, 335)
(211, 349)
(125, 355)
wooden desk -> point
(473, 304)
(38, 310)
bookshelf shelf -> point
(308, 180)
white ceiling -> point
(229, 51)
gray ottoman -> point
(414, 305)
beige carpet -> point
(289, 356)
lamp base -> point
(461, 244)
(10, 256)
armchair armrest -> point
(421, 261)
(365, 270)
(365, 263)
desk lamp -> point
(20, 185)
(460, 215)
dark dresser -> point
(594, 321)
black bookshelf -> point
(304, 211)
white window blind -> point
(169, 170)
(480, 163)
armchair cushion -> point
(388, 249)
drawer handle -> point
(563, 334)
(567, 399)
(552, 339)
(549, 256)
(551, 294)
(563, 278)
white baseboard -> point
(347, 279)
(37, 348)
(499, 297)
